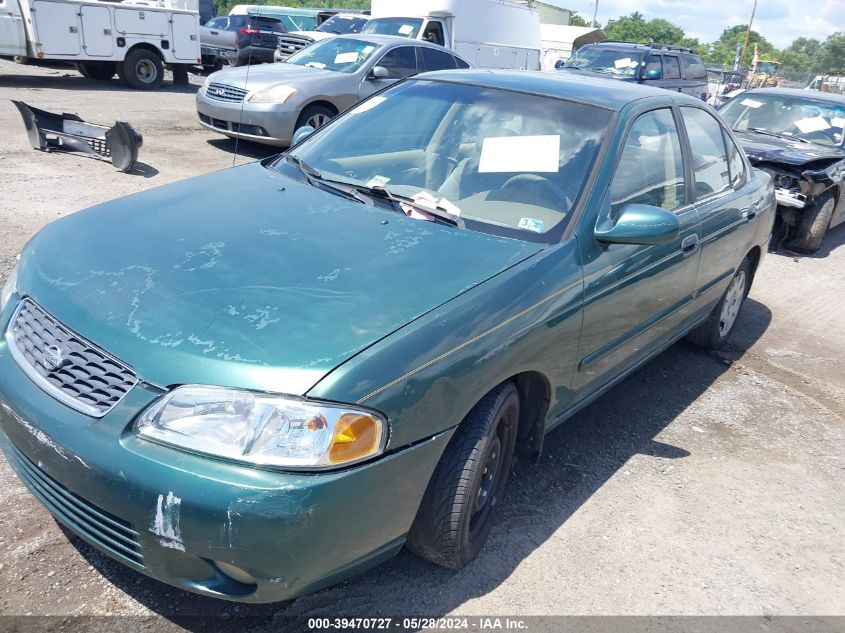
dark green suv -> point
(670, 67)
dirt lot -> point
(704, 484)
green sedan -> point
(259, 382)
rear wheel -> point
(316, 116)
(142, 69)
(23, 60)
(461, 500)
(101, 71)
(814, 224)
(715, 331)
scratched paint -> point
(166, 522)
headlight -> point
(9, 289)
(276, 94)
(264, 430)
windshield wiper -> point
(316, 179)
(397, 200)
(760, 130)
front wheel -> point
(814, 224)
(316, 116)
(461, 500)
(715, 331)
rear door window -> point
(266, 24)
(671, 67)
(709, 158)
(433, 59)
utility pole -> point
(596, 14)
(747, 34)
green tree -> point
(635, 28)
(831, 56)
(576, 20)
(723, 50)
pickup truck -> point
(239, 40)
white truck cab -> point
(134, 38)
(487, 33)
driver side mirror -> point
(559, 64)
(640, 224)
(379, 72)
(301, 134)
(653, 74)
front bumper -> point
(171, 514)
(270, 123)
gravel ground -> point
(704, 484)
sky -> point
(779, 21)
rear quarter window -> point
(434, 59)
(671, 67)
(694, 67)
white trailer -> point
(487, 33)
(134, 38)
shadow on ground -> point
(579, 457)
(833, 240)
(59, 78)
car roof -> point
(606, 93)
(799, 92)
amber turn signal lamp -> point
(356, 435)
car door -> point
(672, 77)
(725, 204)
(637, 298)
(400, 62)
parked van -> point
(487, 33)
(669, 67)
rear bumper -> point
(171, 514)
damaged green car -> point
(258, 382)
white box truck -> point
(134, 38)
(487, 33)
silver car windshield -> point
(338, 54)
(801, 118)
(508, 163)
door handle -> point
(215, 33)
(689, 244)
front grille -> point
(65, 365)
(104, 530)
(222, 92)
(290, 44)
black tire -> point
(315, 113)
(100, 71)
(716, 330)
(141, 69)
(23, 60)
(460, 503)
(814, 224)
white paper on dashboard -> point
(520, 154)
(406, 29)
(346, 58)
(838, 122)
(751, 103)
(368, 105)
(812, 124)
(623, 63)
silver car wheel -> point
(318, 120)
(733, 302)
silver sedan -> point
(267, 103)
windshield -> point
(788, 116)
(505, 163)
(404, 27)
(338, 54)
(615, 62)
(341, 25)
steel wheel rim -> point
(318, 120)
(146, 71)
(733, 302)
(493, 474)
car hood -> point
(248, 278)
(762, 148)
(261, 76)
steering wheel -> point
(538, 188)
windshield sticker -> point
(625, 62)
(346, 58)
(752, 103)
(406, 29)
(319, 65)
(369, 104)
(812, 124)
(377, 181)
(520, 154)
(531, 224)
(838, 122)
(367, 50)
